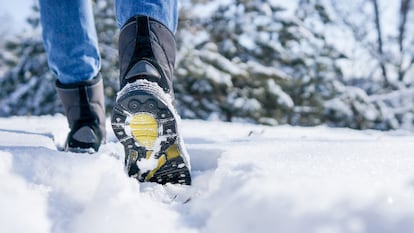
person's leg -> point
(144, 118)
(163, 11)
(70, 40)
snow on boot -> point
(144, 118)
(85, 110)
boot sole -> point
(146, 126)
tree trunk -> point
(379, 40)
(404, 8)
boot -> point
(144, 118)
(84, 106)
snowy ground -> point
(246, 178)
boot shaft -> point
(84, 106)
(147, 50)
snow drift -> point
(246, 178)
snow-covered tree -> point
(28, 86)
(240, 60)
(251, 60)
(382, 30)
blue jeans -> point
(70, 38)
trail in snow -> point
(246, 178)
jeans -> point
(70, 38)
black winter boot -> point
(144, 118)
(85, 110)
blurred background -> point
(301, 62)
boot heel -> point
(146, 125)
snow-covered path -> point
(246, 178)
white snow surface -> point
(246, 178)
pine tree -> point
(28, 86)
(249, 61)
(256, 64)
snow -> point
(246, 178)
(283, 98)
(206, 8)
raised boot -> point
(84, 107)
(144, 118)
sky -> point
(16, 12)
